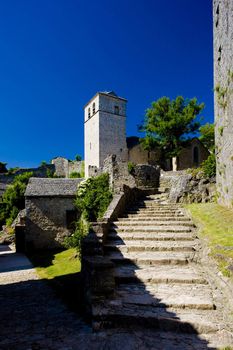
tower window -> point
(93, 108)
(116, 109)
(89, 113)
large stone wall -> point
(65, 167)
(223, 82)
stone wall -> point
(138, 155)
(98, 270)
(186, 188)
(223, 83)
(46, 221)
(143, 175)
(186, 157)
(64, 167)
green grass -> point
(50, 265)
(61, 271)
(216, 225)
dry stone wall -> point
(223, 81)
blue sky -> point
(56, 54)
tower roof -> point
(107, 93)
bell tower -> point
(104, 128)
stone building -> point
(190, 156)
(50, 212)
(138, 155)
(223, 83)
(105, 129)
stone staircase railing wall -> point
(97, 270)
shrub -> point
(131, 167)
(13, 199)
(92, 200)
(50, 173)
(74, 175)
(209, 166)
(93, 197)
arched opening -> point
(196, 156)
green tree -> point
(13, 199)
(207, 136)
(78, 157)
(169, 123)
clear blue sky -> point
(56, 54)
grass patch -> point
(61, 270)
(216, 225)
(50, 265)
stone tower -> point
(223, 86)
(104, 128)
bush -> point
(13, 199)
(131, 167)
(74, 175)
(209, 166)
(93, 198)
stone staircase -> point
(160, 282)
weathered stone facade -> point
(64, 167)
(223, 82)
(138, 155)
(105, 129)
(49, 212)
(192, 156)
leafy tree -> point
(13, 199)
(207, 136)
(78, 157)
(169, 123)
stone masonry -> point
(150, 275)
(50, 212)
(223, 82)
(105, 129)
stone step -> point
(148, 229)
(164, 319)
(155, 210)
(132, 223)
(147, 246)
(143, 219)
(184, 296)
(170, 274)
(154, 213)
(151, 258)
(159, 236)
(154, 204)
(157, 215)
